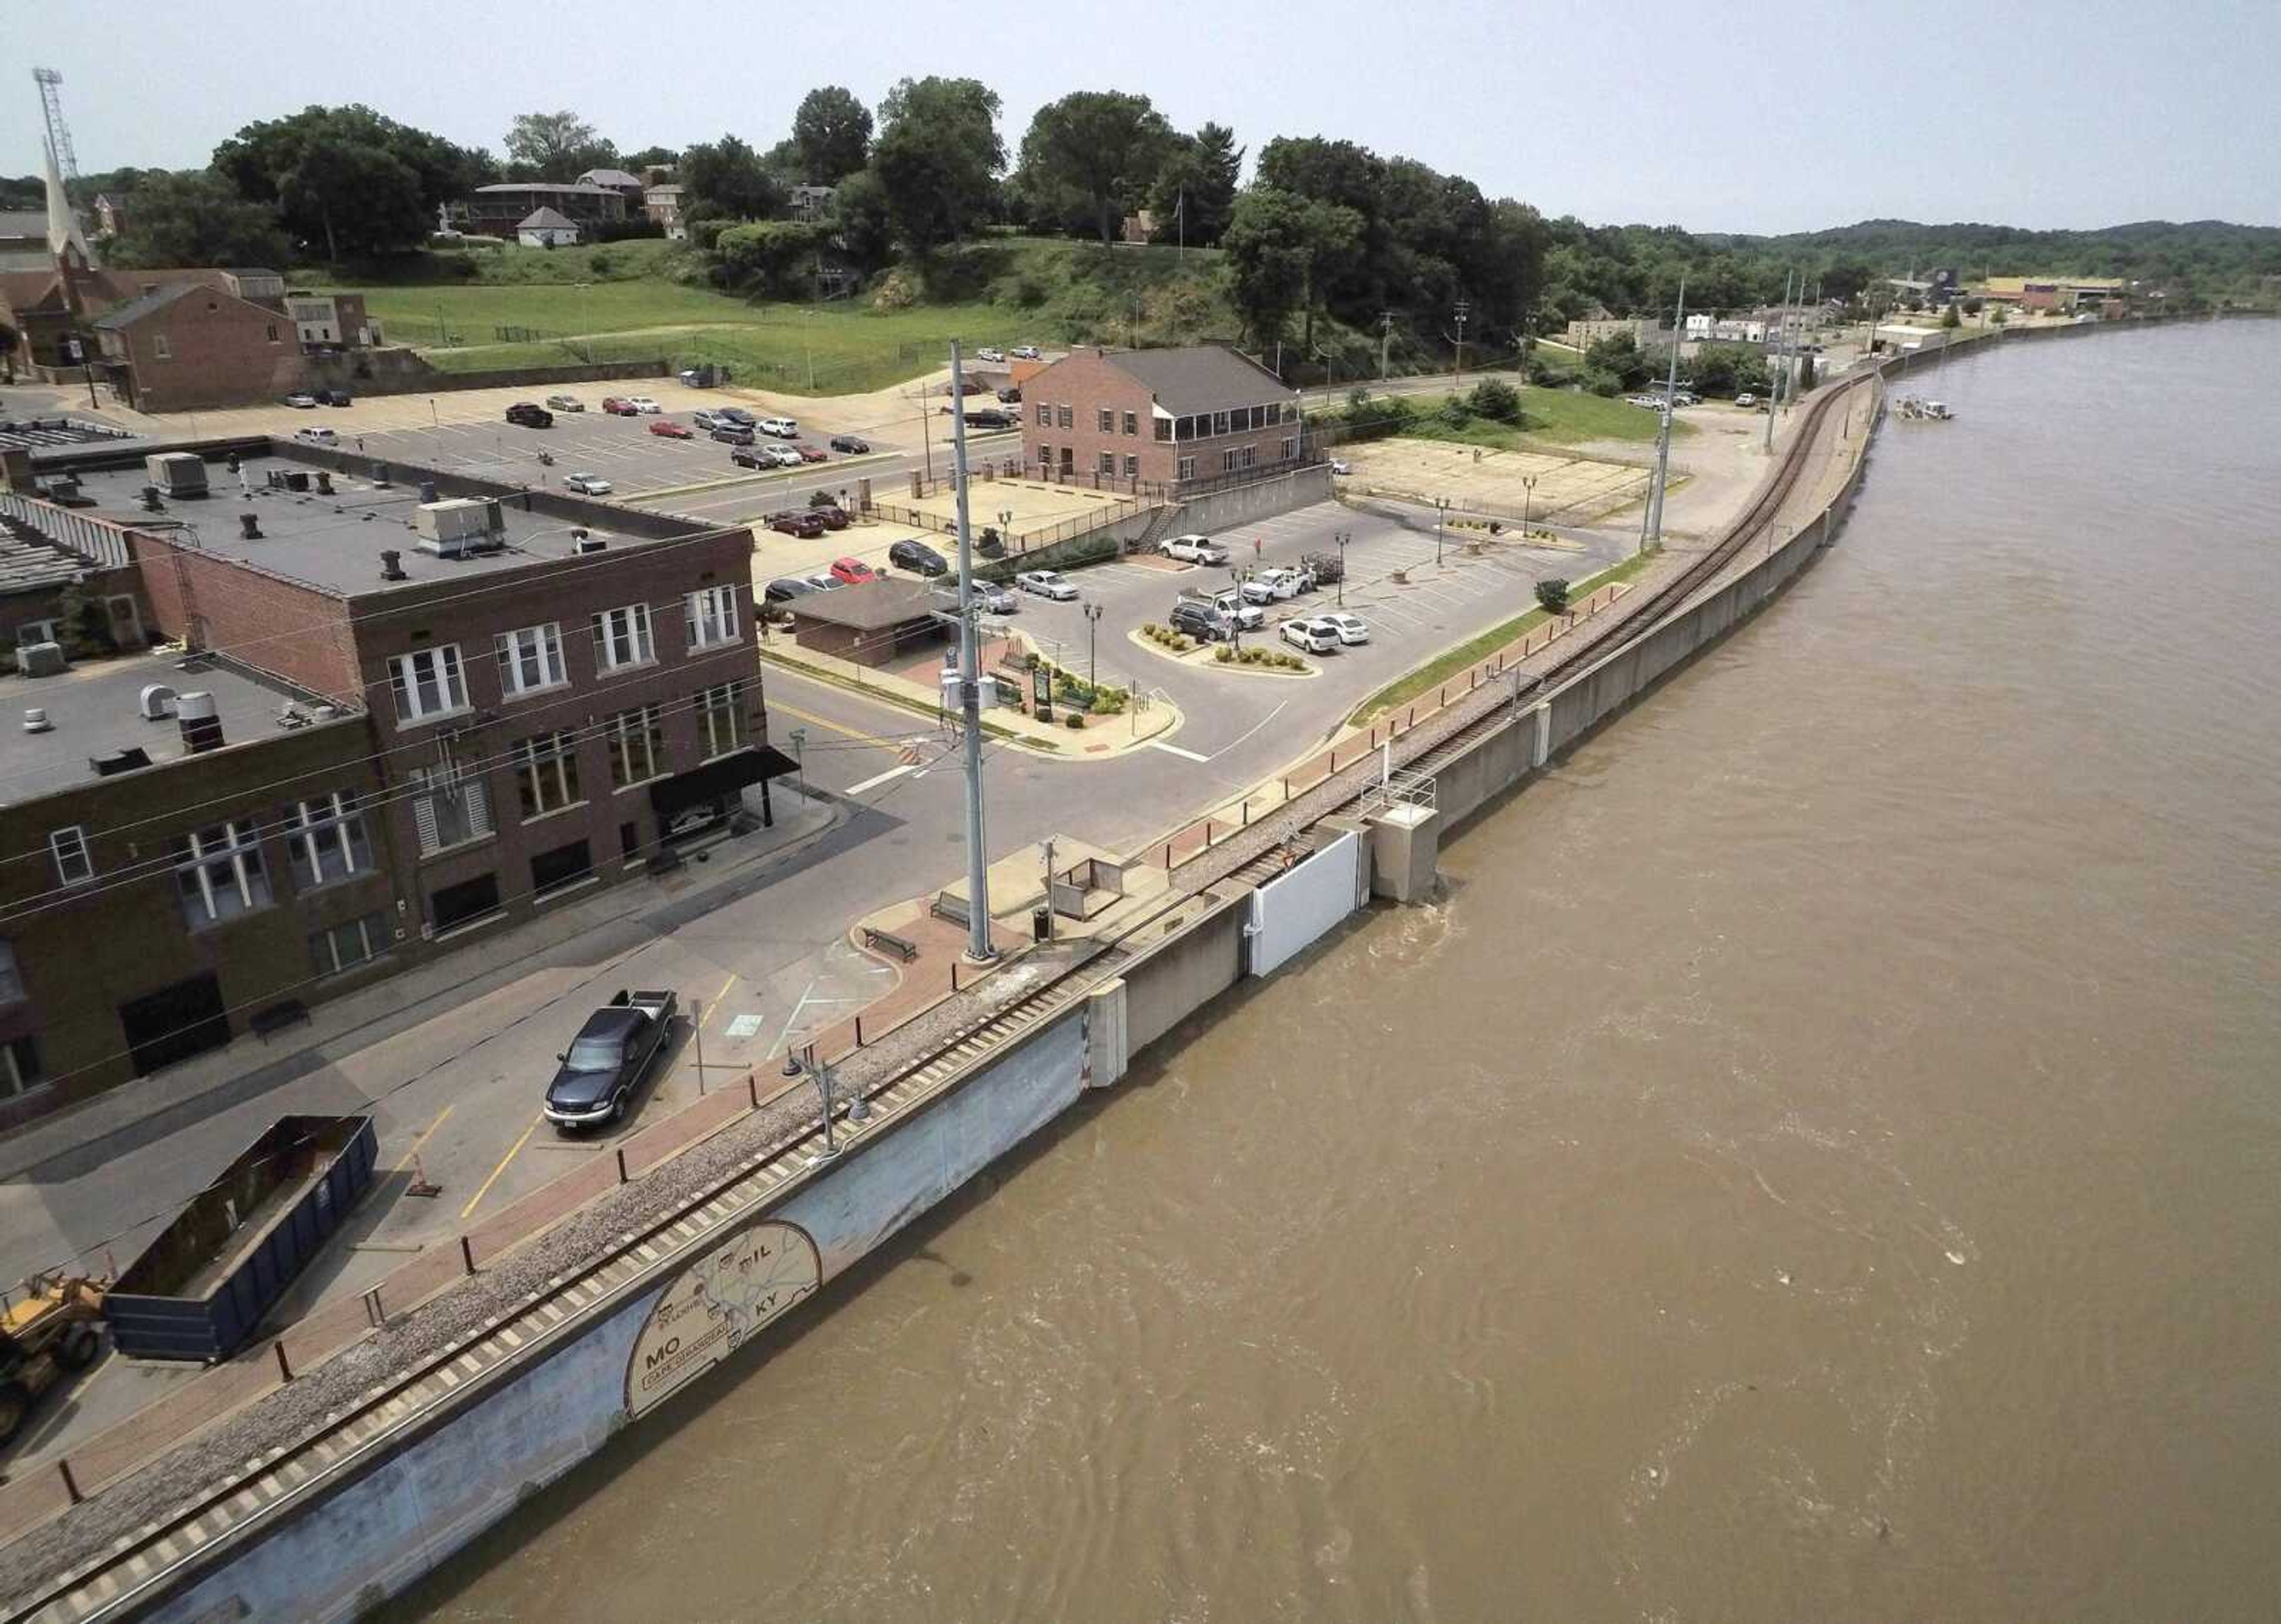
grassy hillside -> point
(483, 307)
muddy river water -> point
(1819, 1160)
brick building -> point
(185, 346)
(1173, 417)
(439, 711)
(331, 320)
(495, 210)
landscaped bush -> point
(1553, 593)
(1496, 400)
(1165, 637)
(1076, 719)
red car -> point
(807, 526)
(854, 571)
(809, 453)
(618, 408)
(671, 429)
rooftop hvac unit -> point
(455, 528)
(177, 473)
(158, 701)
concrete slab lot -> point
(1569, 489)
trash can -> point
(1042, 924)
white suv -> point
(782, 428)
(1309, 635)
(1194, 550)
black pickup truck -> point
(604, 1063)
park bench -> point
(887, 941)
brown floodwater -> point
(1820, 1160)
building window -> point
(464, 903)
(531, 659)
(637, 746)
(1133, 422)
(428, 682)
(1105, 421)
(711, 616)
(1186, 470)
(1107, 463)
(345, 946)
(1131, 467)
(1046, 458)
(1163, 427)
(20, 1067)
(1045, 415)
(621, 637)
(565, 865)
(272, 332)
(1290, 411)
(11, 978)
(1219, 422)
(547, 772)
(721, 719)
(219, 874)
(1251, 456)
(160, 348)
(325, 840)
(1065, 417)
(1290, 449)
(1227, 461)
(449, 809)
(75, 862)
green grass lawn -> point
(1439, 669)
(1556, 416)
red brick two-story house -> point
(1180, 417)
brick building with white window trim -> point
(424, 714)
(1175, 418)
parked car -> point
(919, 557)
(1046, 583)
(780, 593)
(333, 397)
(695, 377)
(1351, 629)
(812, 453)
(729, 434)
(1746, 399)
(965, 386)
(989, 352)
(1287, 583)
(302, 403)
(847, 444)
(1026, 353)
(796, 521)
(316, 437)
(783, 456)
(1010, 396)
(996, 600)
(823, 581)
(751, 457)
(1340, 468)
(1194, 550)
(782, 428)
(834, 516)
(852, 571)
(565, 403)
(1202, 620)
(986, 417)
(1230, 602)
(1256, 591)
(530, 416)
(644, 405)
(1309, 635)
(605, 1062)
(737, 415)
(617, 405)
(586, 484)
(707, 418)
(667, 428)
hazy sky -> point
(1715, 118)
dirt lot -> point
(1569, 489)
(1037, 507)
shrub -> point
(1552, 593)
(1602, 383)
(1075, 719)
(1224, 655)
(1456, 413)
(1497, 400)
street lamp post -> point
(1527, 494)
(1091, 662)
(1342, 538)
(799, 758)
(1441, 511)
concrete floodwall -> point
(1295, 909)
(1261, 499)
(1187, 972)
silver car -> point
(1046, 583)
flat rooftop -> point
(94, 710)
(336, 541)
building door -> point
(174, 1022)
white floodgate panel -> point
(1292, 910)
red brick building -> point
(186, 347)
(1178, 417)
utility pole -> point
(1773, 353)
(978, 949)
(1670, 411)
(1457, 378)
(1385, 343)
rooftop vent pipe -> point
(391, 565)
(250, 526)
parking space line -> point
(413, 1148)
(721, 998)
(513, 1151)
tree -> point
(348, 179)
(1618, 356)
(938, 158)
(832, 132)
(1195, 187)
(555, 146)
(194, 217)
(1094, 154)
(1282, 247)
(1552, 593)
(649, 157)
(726, 180)
(1949, 316)
(1496, 400)
(774, 256)
(865, 225)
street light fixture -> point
(1440, 510)
(1091, 663)
(1527, 494)
(1343, 537)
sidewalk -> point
(247, 1067)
